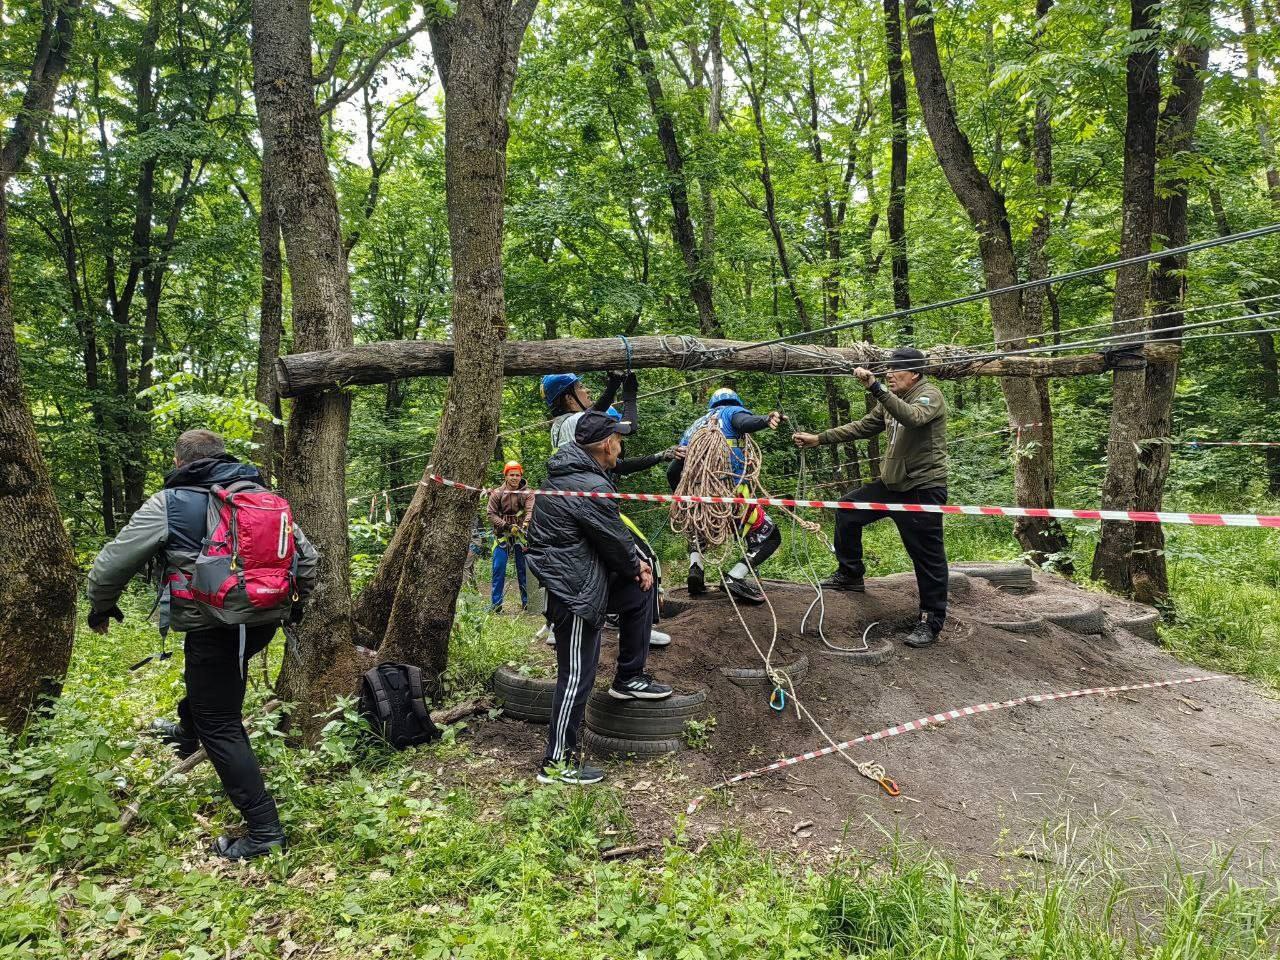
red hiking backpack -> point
(246, 570)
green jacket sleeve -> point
(868, 426)
(925, 407)
(119, 560)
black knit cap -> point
(594, 426)
(906, 357)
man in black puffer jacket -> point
(585, 558)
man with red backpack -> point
(233, 568)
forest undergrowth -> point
(417, 854)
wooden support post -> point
(374, 363)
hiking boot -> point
(838, 581)
(659, 639)
(744, 590)
(923, 635)
(574, 776)
(697, 581)
(264, 836)
(640, 687)
(175, 735)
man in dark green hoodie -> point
(913, 469)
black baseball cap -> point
(594, 426)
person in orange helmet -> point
(510, 509)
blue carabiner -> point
(778, 699)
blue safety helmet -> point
(721, 397)
(556, 385)
(613, 414)
(627, 427)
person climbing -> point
(587, 561)
(760, 534)
(626, 467)
(174, 527)
(566, 395)
(510, 509)
(913, 469)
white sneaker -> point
(544, 632)
(659, 639)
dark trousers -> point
(635, 610)
(577, 656)
(921, 534)
(214, 704)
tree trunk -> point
(677, 184)
(321, 663)
(1027, 400)
(1112, 559)
(1256, 107)
(483, 47)
(37, 564)
(268, 437)
(898, 261)
(1149, 575)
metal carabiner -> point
(778, 699)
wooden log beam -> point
(373, 363)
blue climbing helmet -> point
(613, 414)
(721, 397)
(556, 385)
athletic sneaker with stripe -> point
(640, 687)
(574, 776)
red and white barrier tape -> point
(940, 718)
(1136, 516)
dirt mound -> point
(1192, 766)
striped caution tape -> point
(941, 718)
(1136, 516)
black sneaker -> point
(697, 582)
(175, 735)
(838, 581)
(640, 687)
(574, 776)
(744, 590)
(923, 635)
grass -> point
(420, 855)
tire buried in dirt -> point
(643, 720)
(1007, 576)
(877, 652)
(1142, 625)
(523, 698)
(598, 746)
(1028, 625)
(758, 677)
(1077, 614)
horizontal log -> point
(372, 363)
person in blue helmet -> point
(565, 395)
(760, 534)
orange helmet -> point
(512, 466)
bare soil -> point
(1193, 770)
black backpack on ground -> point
(393, 701)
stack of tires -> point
(614, 728)
(641, 728)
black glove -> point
(98, 617)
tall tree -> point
(677, 182)
(898, 260)
(1112, 559)
(319, 660)
(37, 564)
(477, 51)
(1027, 400)
(1149, 574)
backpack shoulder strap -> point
(417, 698)
(382, 699)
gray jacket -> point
(170, 528)
(577, 544)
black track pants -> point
(635, 608)
(921, 534)
(214, 704)
(577, 656)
